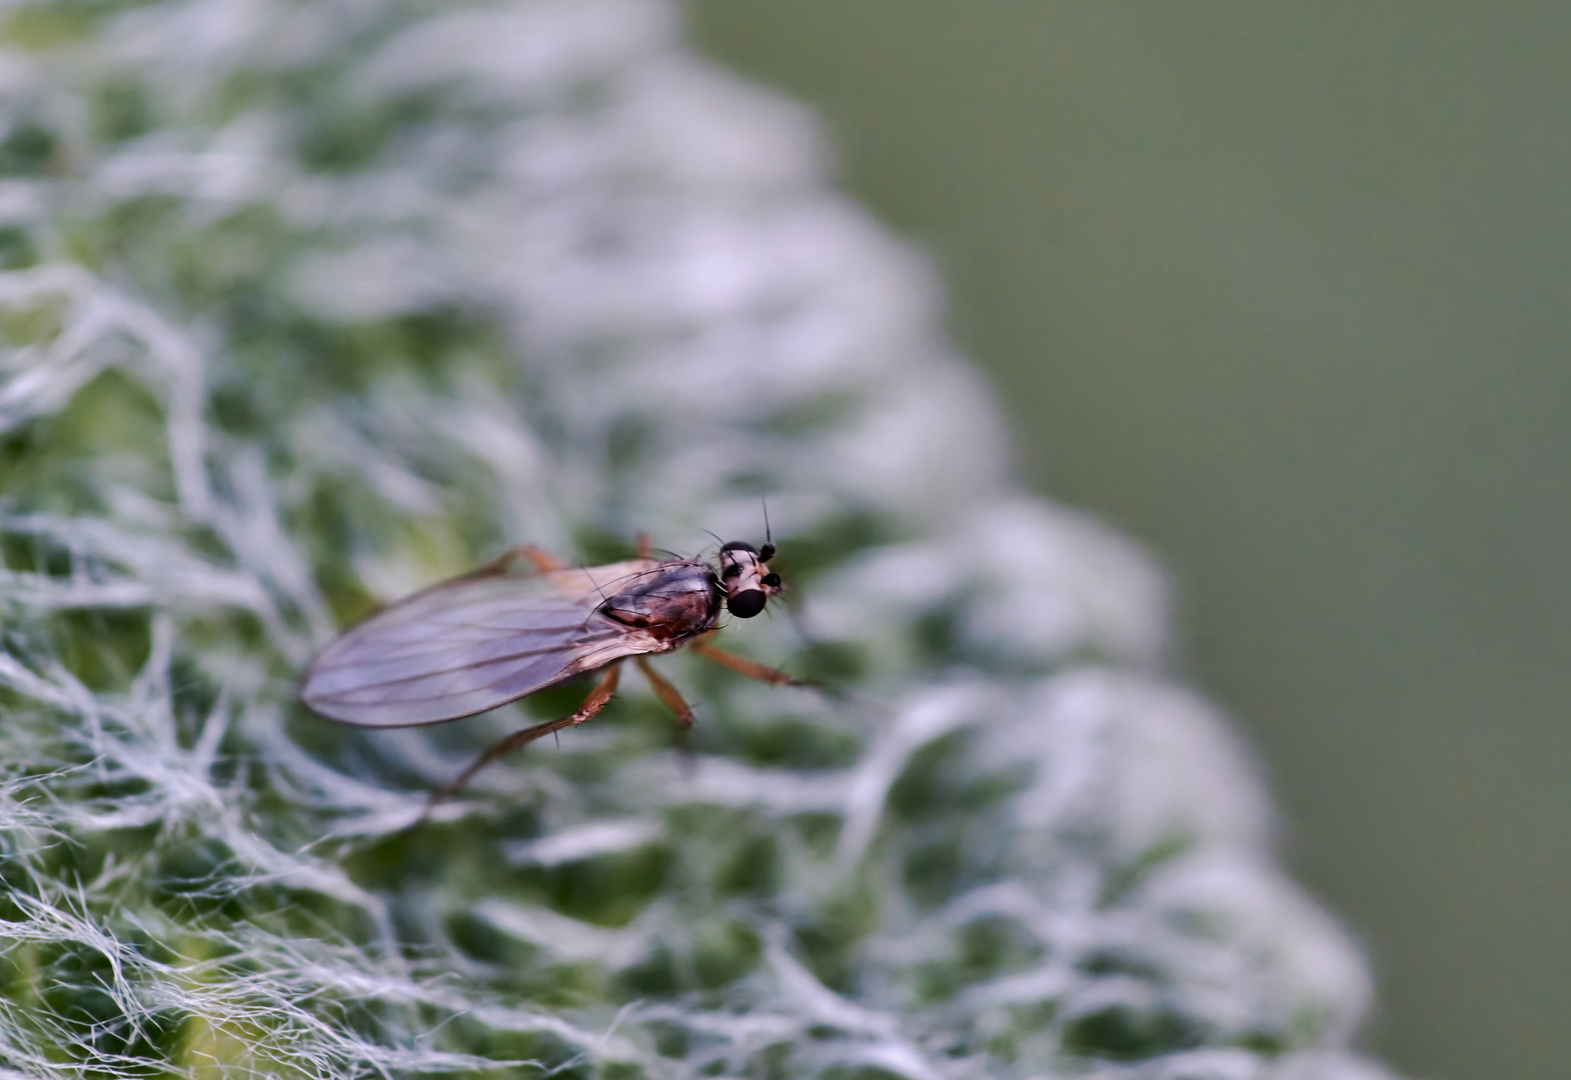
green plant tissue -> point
(306, 305)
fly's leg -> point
(543, 561)
(672, 698)
(597, 700)
(743, 666)
(666, 692)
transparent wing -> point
(470, 645)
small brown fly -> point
(493, 636)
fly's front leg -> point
(743, 666)
(597, 700)
(666, 692)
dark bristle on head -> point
(739, 545)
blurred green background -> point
(1285, 291)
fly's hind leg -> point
(541, 559)
(743, 666)
(597, 700)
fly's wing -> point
(469, 645)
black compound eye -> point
(746, 604)
(772, 580)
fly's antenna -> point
(766, 552)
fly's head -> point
(746, 577)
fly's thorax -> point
(746, 578)
(675, 599)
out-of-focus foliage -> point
(305, 305)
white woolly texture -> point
(305, 305)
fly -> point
(493, 636)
